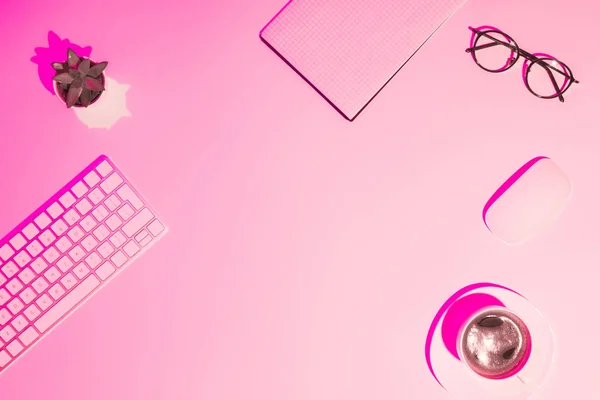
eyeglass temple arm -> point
(522, 53)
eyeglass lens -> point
(491, 54)
(540, 81)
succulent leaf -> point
(77, 82)
(94, 84)
(84, 66)
(97, 69)
(85, 97)
(63, 78)
(58, 66)
(72, 58)
(72, 95)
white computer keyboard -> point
(65, 251)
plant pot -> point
(61, 93)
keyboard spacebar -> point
(67, 303)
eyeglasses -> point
(545, 76)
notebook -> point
(349, 49)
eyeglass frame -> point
(533, 58)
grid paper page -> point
(349, 49)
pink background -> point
(306, 255)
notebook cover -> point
(348, 50)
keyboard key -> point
(18, 241)
(40, 285)
(96, 196)
(143, 238)
(67, 200)
(131, 248)
(29, 336)
(52, 274)
(76, 233)
(101, 233)
(68, 281)
(93, 260)
(71, 217)
(84, 206)
(4, 359)
(22, 258)
(89, 243)
(15, 306)
(88, 223)
(113, 222)
(77, 253)
(14, 286)
(4, 296)
(26, 275)
(15, 348)
(126, 212)
(67, 303)
(105, 250)
(63, 244)
(5, 316)
(100, 213)
(39, 265)
(64, 264)
(42, 220)
(3, 279)
(55, 210)
(32, 312)
(105, 270)
(112, 202)
(118, 239)
(47, 238)
(28, 295)
(136, 223)
(19, 323)
(59, 227)
(91, 179)
(44, 302)
(111, 183)
(7, 333)
(156, 228)
(81, 271)
(51, 254)
(118, 259)
(79, 189)
(142, 235)
(127, 194)
(30, 231)
(104, 168)
(35, 248)
(10, 269)
(6, 252)
(57, 291)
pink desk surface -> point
(306, 255)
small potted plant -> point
(79, 82)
